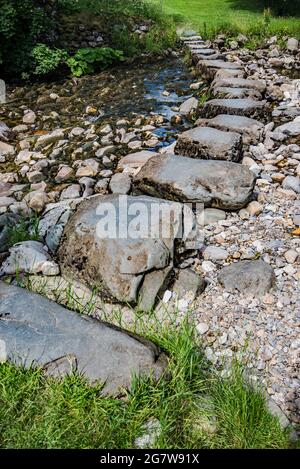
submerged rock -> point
(37, 332)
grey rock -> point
(209, 143)
(252, 130)
(120, 183)
(275, 410)
(235, 93)
(151, 431)
(188, 282)
(71, 192)
(135, 160)
(38, 332)
(29, 257)
(189, 106)
(250, 278)
(116, 261)
(153, 286)
(208, 68)
(292, 44)
(53, 237)
(213, 215)
(234, 82)
(215, 253)
(290, 129)
(292, 183)
(218, 184)
(241, 107)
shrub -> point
(47, 60)
(23, 24)
(89, 60)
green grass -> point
(233, 16)
(39, 412)
(24, 230)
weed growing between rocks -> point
(192, 407)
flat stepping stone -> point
(229, 73)
(210, 144)
(233, 82)
(35, 331)
(196, 57)
(202, 51)
(208, 68)
(250, 278)
(219, 184)
(252, 131)
(235, 93)
(240, 107)
(108, 244)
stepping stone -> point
(233, 82)
(252, 130)
(35, 331)
(112, 243)
(219, 184)
(202, 51)
(251, 278)
(240, 107)
(233, 93)
(197, 56)
(210, 144)
(226, 73)
(208, 68)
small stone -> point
(29, 117)
(254, 208)
(90, 110)
(120, 183)
(215, 253)
(202, 328)
(64, 174)
(292, 183)
(71, 192)
(291, 256)
(208, 266)
(167, 296)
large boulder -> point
(219, 184)
(210, 144)
(112, 243)
(37, 332)
(250, 278)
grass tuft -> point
(195, 407)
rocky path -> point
(240, 163)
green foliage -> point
(24, 230)
(22, 25)
(89, 60)
(47, 60)
(39, 412)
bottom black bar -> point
(137, 458)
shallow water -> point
(121, 92)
